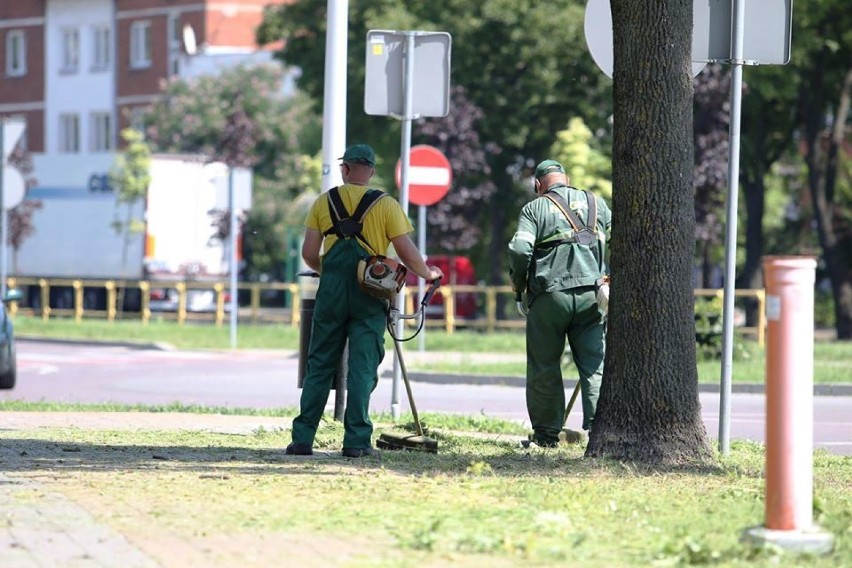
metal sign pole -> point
(731, 226)
(390, 64)
(407, 117)
(334, 94)
(421, 285)
(333, 145)
(232, 208)
(4, 220)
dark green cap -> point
(359, 154)
(548, 167)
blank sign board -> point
(766, 32)
(767, 28)
(384, 85)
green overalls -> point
(342, 310)
(559, 281)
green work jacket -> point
(537, 266)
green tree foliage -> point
(825, 98)
(455, 222)
(130, 177)
(243, 118)
(710, 176)
(795, 109)
(523, 64)
(587, 167)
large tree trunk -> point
(822, 149)
(752, 274)
(649, 409)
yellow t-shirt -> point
(383, 222)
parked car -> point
(197, 300)
(8, 366)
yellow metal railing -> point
(495, 304)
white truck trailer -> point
(75, 239)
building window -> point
(174, 33)
(137, 119)
(102, 50)
(16, 53)
(140, 44)
(70, 50)
(69, 133)
(101, 132)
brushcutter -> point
(418, 441)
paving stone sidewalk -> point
(42, 528)
(220, 423)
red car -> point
(458, 270)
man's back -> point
(382, 223)
(542, 258)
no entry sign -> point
(429, 175)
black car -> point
(8, 368)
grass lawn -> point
(481, 501)
(832, 360)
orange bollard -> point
(789, 283)
(789, 391)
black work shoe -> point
(533, 442)
(358, 452)
(297, 449)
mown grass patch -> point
(481, 501)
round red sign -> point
(429, 175)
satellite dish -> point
(189, 44)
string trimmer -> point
(568, 435)
(418, 441)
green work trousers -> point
(552, 317)
(342, 311)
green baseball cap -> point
(548, 167)
(359, 154)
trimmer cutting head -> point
(394, 441)
(572, 436)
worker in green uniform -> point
(558, 273)
(343, 311)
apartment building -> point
(78, 71)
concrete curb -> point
(159, 346)
(741, 388)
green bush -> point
(709, 332)
(708, 328)
(824, 309)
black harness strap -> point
(584, 233)
(346, 226)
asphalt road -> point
(59, 372)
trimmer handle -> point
(433, 287)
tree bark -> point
(822, 149)
(649, 409)
(752, 274)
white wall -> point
(70, 170)
(83, 92)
